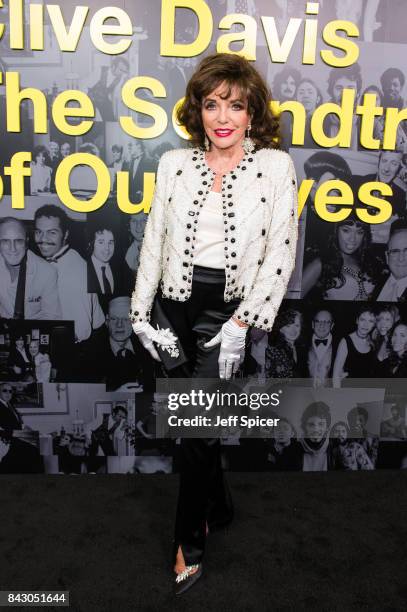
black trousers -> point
(203, 496)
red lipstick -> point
(222, 133)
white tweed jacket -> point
(259, 201)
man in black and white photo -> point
(54, 160)
(393, 288)
(9, 416)
(320, 353)
(389, 165)
(285, 84)
(52, 227)
(136, 165)
(127, 363)
(28, 284)
(392, 82)
(338, 80)
(116, 165)
(17, 456)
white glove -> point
(232, 344)
(147, 335)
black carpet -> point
(323, 542)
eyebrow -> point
(234, 100)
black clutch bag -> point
(172, 356)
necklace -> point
(358, 277)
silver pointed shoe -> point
(185, 580)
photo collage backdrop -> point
(77, 389)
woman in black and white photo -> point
(395, 365)
(320, 167)
(284, 355)
(310, 96)
(386, 318)
(355, 357)
(346, 269)
(40, 180)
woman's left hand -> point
(231, 338)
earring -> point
(248, 143)
(207, 144)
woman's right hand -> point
(148, 335)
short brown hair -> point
(233, 70)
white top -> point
(77, 304)
(210, 237)
(392, 289)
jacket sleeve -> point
(261, 305)
(150, 263)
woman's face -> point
(40, 159)
(291, 331)
(384, 322)
(315, 428)
(104, 246)
(225, 120)
(399, 339)
(350, 238)
(365, 323)
(283, 432)
(20, 343)
(307, 95)
(339, 432)
(137, 225)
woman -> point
(385, 321)
(18, 361)
(320, 167)
(310, 96)
(40, 180)
(355, 357)
(282, 359)
(220, 241)
(346, 453)
(136, 229)
(345, 270)
(395, 365)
